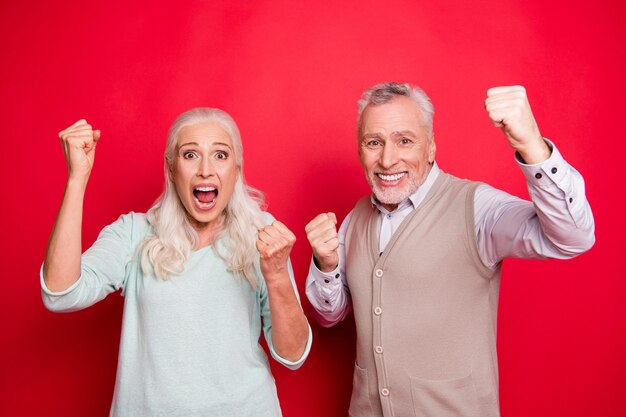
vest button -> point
(378, 311)
(379, 273)
(378, 349)
(384, 392)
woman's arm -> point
(290, 328)
(62, 262)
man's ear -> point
(432, 150)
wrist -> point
(76, 183)
(534, 153)
(278, 284)
(327, 266)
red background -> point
(290, 74)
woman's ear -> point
(170, 169)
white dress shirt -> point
(558, 223)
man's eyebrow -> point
(371, 135)
(404, 133)
(395, 133)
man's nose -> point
(389, 155)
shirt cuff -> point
(546, 173)
(328, 280)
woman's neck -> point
(207, 232)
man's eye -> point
(373, 143)
(405, 141)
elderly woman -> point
(201, 272)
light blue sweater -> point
(190, 344)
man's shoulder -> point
(457, 182)
(362, 204)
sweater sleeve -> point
(103, 269)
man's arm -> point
(558, 223)
(326, 285)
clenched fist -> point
(79, 145)
(274, 244)
(509, 109)
(324, 240)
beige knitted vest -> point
(425, 311)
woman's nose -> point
(206, 168)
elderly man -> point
(419, 260)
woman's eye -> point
(221, 155)
(189, 155)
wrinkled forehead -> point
(208, 132)
(400, 114)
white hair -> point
(166, 252)
(385, 92)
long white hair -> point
(166, 252)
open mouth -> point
(205, 196)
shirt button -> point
(378, 311)
(538, 175)
(554, 170)
(337, 275)
(378, 349)
(384, 392)
(327, 281)
(327, 302)
(571, 199)
(379, 273)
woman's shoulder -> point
(132, 226)
(134, 219)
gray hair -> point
(167, 251)
(385, 92)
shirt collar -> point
(417, 197)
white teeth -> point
(202, 203)
(205, 189)
(391, 177)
